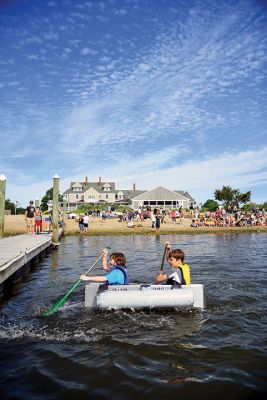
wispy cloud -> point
(180, 90)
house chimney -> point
(86, 181)
(134, 186)
(99, 181)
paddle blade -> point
(54, 308)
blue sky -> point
(152, 92)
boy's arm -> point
(104, 259)
(93, 278)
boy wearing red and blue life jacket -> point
(117, 272)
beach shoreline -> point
(15, 225)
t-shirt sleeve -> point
(115, 277)
(176, 276)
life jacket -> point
(124, 271)
(185, 272)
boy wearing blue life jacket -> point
(117, 272)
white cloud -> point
(244, 170)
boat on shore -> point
(144, 296)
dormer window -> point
(120, 195)
(106, 187)
(77, 187)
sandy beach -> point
(15, 225)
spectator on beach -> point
(116, 268)
(153, 220)
(104, 216)
(194, 223)
(180, 272)
(38, 220)
(86, 222)
(181, 214)
(173, 216)
(157, 221)
(81, 223)
(30, 219)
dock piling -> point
(2, 204)
(55, 209)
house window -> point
(106, 189)
(106, 196)
(91, 197)
(77, 196)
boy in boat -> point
(180, 272)
(117, 272)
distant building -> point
(100, 192)
(162, 197)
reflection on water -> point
(127, 354)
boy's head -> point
(117, 259)
(176, 256)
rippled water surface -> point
(216, 353)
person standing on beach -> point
(157, 216)
(29, 218)
(81, 223)
(38, 220)
(86, 222)
(153, 220)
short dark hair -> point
(177, 254)
(119, 258)
(31, 202)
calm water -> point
(217, 353)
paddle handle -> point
(92, 266)
(163, 258)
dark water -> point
(217, 353)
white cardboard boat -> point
(143, 296)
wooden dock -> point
(18, 252)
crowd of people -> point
(230, 218)
(159, 216)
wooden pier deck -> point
(18, 251)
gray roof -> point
(161, 193)
(94, 185)
(130, 194)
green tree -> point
(230, 196)
(211, 205)
(49, 196)
(10, 206)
